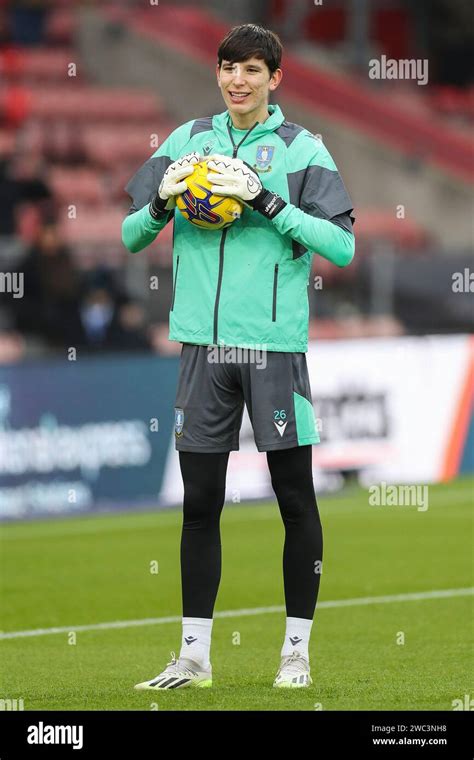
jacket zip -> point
(219, 283)
(221, 247)
(174, 285)
(275, 285)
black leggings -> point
(204, 477)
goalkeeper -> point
(244, 287)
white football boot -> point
(293, 672)
(178, 674)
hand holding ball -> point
(200, 206)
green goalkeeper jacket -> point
(247, 285)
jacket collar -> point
(274, 121)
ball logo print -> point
(200, 209)
(200, 206)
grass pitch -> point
(392, 655)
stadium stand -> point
(87, 137)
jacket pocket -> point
(174, 284)
(275, 288)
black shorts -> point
(213, 384)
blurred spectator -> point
(12, 348)
(23, 179)
(66, 309)
(50, 305)
(445, 34)
(4, 30)
(158, 334)
(27, 21)
(63, 143)
(109, 319)
(9, 198)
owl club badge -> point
(178, 422)
(264, 158)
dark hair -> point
(249, 41)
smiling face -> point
(246, 87)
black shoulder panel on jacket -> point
(145, 182)
(288, 131)
(201, 125)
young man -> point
(244, 287)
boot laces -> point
(294, 663)
(175, 668)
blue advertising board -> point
(84, 435)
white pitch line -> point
(417, 596)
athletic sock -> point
(297, 635)
(196, 641)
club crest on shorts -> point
(264, 158)
(178, 421)
(207, 147)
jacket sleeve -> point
(139, 228)
(322, 221)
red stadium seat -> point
(61, 25)
(79, 103)
(454, 101)
(77, 185)
(15, 105)
(102, 225)
(92, 103)
(92, 225)
(106, 146)
(381, 224)
(36, 64)
(7, 142)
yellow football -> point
(201, 207)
